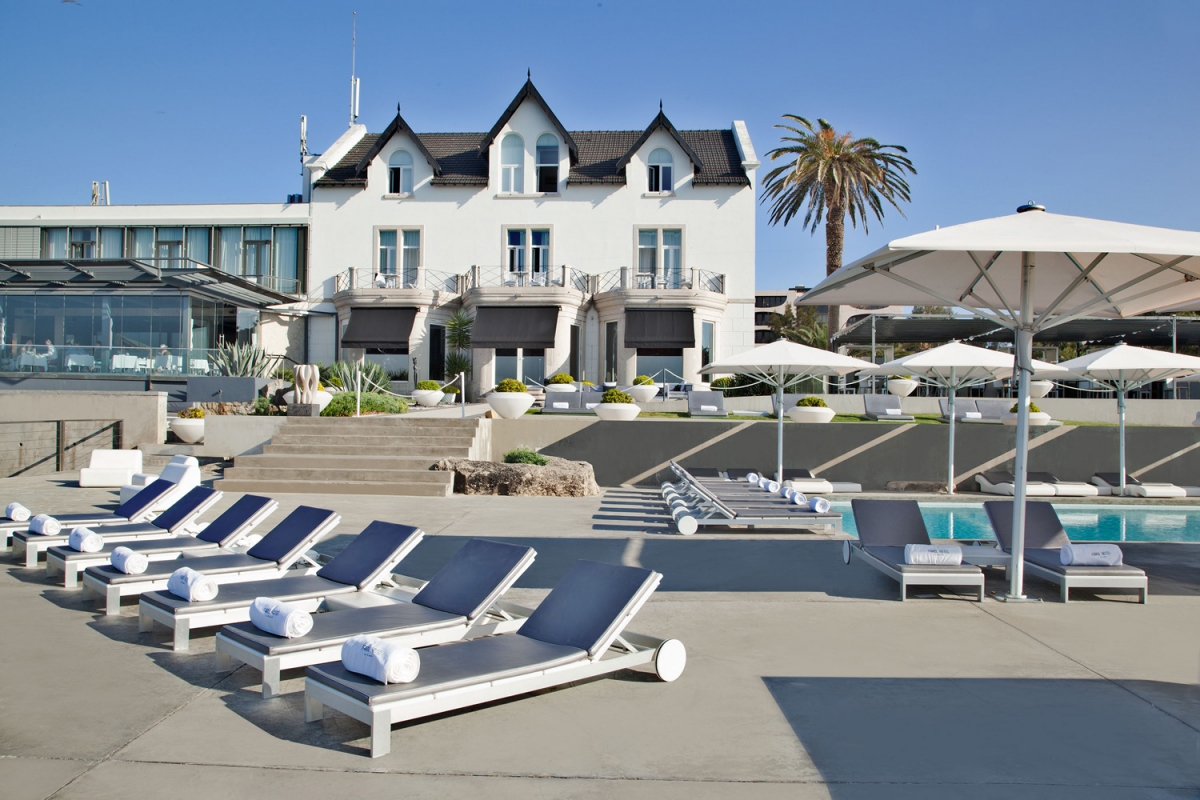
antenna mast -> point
(353, 79)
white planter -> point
(323, 398)
(188, 430)
(449, 399)
(901, 387)
(510, 405)
(642, 394)
(560, 387)
(1035, 418)
(810, 414)
(428, 397)
(622, 412)
(1039, 389)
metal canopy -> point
(123, 273)
(514, 326)
(1142, 331)
(384, 328)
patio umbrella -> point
(956, 366)
(782, 364)
(1027, 272)
(1124, 368)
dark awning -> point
(660, 328)
(514, 326)
(383, 328)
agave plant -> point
(244, 361)
(374, 376)
(456, 363)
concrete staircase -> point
(366, 455)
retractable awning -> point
(514, 326)
(660, 328)
(379, 328)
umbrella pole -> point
(1121, 424)
(1024, 347)
(950, 461)
(779, 431)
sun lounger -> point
(237, 522)
(1135, 488)
(706, 404)
(273, 557)
(965, 409)
(884, 528)
(365, 562)
(589, 400)
(991, 410)
(885, 408)
(577, 633)
(696, 503)
(139, 509)
(1066, 488)
(185, 476)
(111, 468)
(802, 480)
(145, 478)
(561, 403)
(1044, 538)
(176, 519)
(458, 602)
(1004, 483)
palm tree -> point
(804, 326)
(830, 175)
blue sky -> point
(1089, 108)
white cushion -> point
(116, 459)
(104, 477)
(972, 415)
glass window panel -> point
(512, 150)
(287, 251)
(83, 235)
(672, 238)
(170, 234)
(406, 180)
(258, 234)
(648, 238)
(56, 243)
(412, 238)
(708, 340)
(661, 155)
(401, 158)
(533, 366)
(141, 243)
(112, 243)
(667, 182)
(167, 321)
(387, 252)
(81, 321)
(230, 252)
(135, 325)
(665, 366)
(198, 244)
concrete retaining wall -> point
(229, 436)
(32, 448)
(143, 415)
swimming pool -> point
(1082, 522)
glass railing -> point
(30, 359)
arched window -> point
(400, 173)
(512, 164)
(661, 170)
(547, 163)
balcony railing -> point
(419, 278)
(625, 278)
(96, 361)
(481, 276)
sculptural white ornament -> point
(307, 379)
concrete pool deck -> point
(806, 679)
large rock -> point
(559, 478)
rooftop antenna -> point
(353, 79)
(95, 193)
(106, 200)
(303, 136)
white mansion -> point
(605, 254)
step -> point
(271, 488)
(342, 449)
(316, 471)
(368, 442)
(380, 422)
(335, 462)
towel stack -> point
(128, 561)
(818, 504)
(1091, 555)
(282, 619)
(46, 525)
(945, 554)
(85, 540)
(386, 662)
(17, 512)
(195, 587)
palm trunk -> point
(835, 234)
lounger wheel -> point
(846, 551)
(669, 660)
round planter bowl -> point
(1039, 389)
(642, 394)
(810, 414)
(323, 398)
(622, 412)
(901, 387)
(510, 405)
(188, 430)
(1196, 421)
(560, 387)
(450, 399)
(1035, 418)
(428, 397)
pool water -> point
(1082, 522)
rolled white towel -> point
(708, 408)
(770, 486)
(386, 662)
(85, 540)
(192, 586)
(818, 504)
(128, 561)
(46, 525)
(17, 512)
(560, 405)
(752, 478)
(932, 554)
(282, 619)
(799, 498)
(1091, 555)
(973, 415)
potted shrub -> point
(560, 382)
(1039, 389)
(188, 425)
(1036, 416)
(428, 393)
(810, 409)
(510, 399)
(901, 385)
(617, 405)
(644, 389)
(452, 393)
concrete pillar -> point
(484, 374)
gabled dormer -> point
(529, 151)
(666, 159)
(398, 147)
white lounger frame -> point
(113, 592)
(1141, 583)
(34, 546)
(906, 579)
(1005, 489)
(701, 505)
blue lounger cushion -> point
(474, 577)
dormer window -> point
(512, 164)
(400, 173)
(547, 163)
(661, 174)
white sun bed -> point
(1067, 488)
(111, 468)
(1135, 488)
(1003, 483)
(138, 509)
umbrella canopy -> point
(956, 366)
(1124, 368)
(782, 364)
(1027, 272)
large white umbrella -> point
(783, 364)
(1027, 272)
(1124, 368)
(956, 366)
